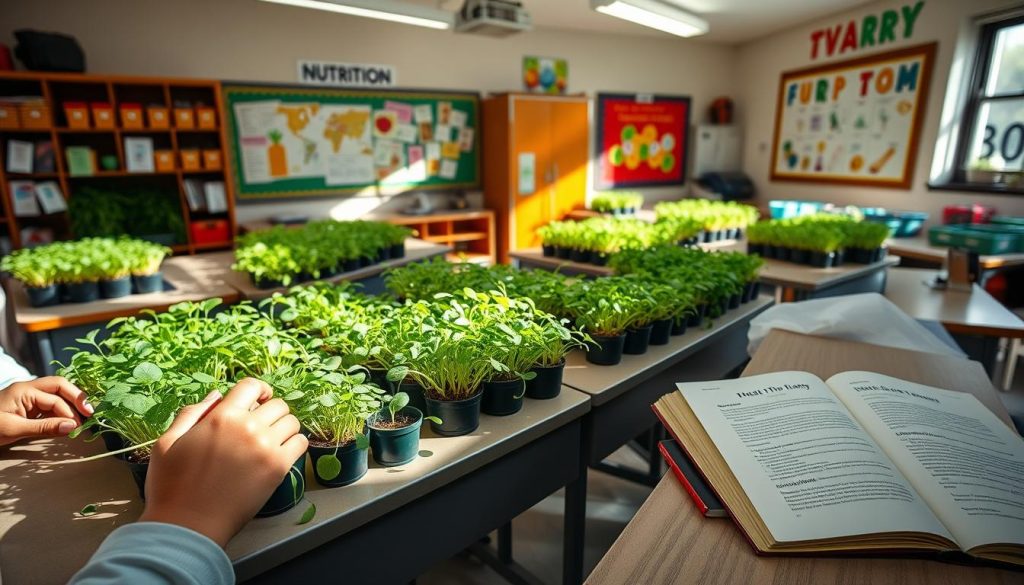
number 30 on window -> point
(1010, 145)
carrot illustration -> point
(878, 164)
(276, 155)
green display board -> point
(294, 141)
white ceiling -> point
(732, 21)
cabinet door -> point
(530, 140)
(569, 143)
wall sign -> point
(871, 30)
(345, 74)
(641, 140)
(855, 122)
(545, 75)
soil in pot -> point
(116, 288)
(397, 251)
(43, 296)
(679, 325)
(637, 340)
(396, 442)
(660, 332)
(606, 351)
(417, 399)
(337, 465)
(548, 250)
(458, 417)
(697, 318)
(502, 397)
(82, 292)
(149, 283)
(547, 383)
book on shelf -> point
(19, 156)
(861, 463)
(44, 161)
(23, 198)
(194, 194)
(216, 197)
(51, 199)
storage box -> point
(158, 117)
(9, 115)
(958, 214)
(980, 239)
(184, 119)
(131, 116)
(102, 115)
(213, 231)
(190, 159)
(164, 160)
(206, 117)
(211, 159)
(35, 114)
(77, 114)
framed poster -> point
(545, 75)
(854, 122)
(641, 140)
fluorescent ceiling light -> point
(392, 10)
(654, 14)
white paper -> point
(19, 156)
(350, 146)
(449, 168)
(444, 113)
(406, 133)
(457, 119)
(384, 123)
(443, 133)
(402, 111)
(216, 198)
(417, 164)
(465, 139)
(23, 198)
(50, 198)
(384, 153)
(138, 155)
(194, 195)
(433, 151)
(423, 113)
(527, 179)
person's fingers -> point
(294, 447)
(16, 427)
(66, 390)
(187, 418)
(248, 393)
(284, 429)
(49, 404)
(270, 411)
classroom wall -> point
(760, 64)
(252, 40)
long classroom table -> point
(388, 527)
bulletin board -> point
(854, 122)
(296, 142)
(641, 140)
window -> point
(992, 150)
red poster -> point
(641, 140)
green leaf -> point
(362, 442)
(397, 373)
(433, 419)
(203, 378)
(328, 399)
(273, 347)
(138, 404)
(288, 315)
(147, 373)
(293, 396)
(308, 514)
(328, 467)
(89, 510)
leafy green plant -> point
(88, 259)
(709, 215)
(613, 201)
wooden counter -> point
(919, 249)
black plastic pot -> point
(354, 463)
(697, 318)
(116, 288)
(502, 397)
(384, 254)
(365, 261)
(755, 249)
(757, 290)
(577, 255)
(799, 256)
(547, 383)
(822, 259)
(149, 283)
(287, 494)
(82, 292)
(329, 272)
(351, 264)
(734, 300)
(548, 250)
(562, 252)
(679, 326)
(43, 296)
(606, 351)
(458, 417)
(113, 441)
(782, 253)
(397, 251)
(840, 258)
(266, 283)
(415, 391)
(748, 293)
(391, 447)
(660, 332)
(139, 472)
(637, 340)
(598, 259)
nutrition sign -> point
(854, 122)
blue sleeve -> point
(154, 553)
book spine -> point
(701, 506)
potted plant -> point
(553, 340)
(37, 270)
(145, 259)
(395, 432)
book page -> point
(808, 467)
(966, 463)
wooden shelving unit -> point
(59, 88)
(470, 232)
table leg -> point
(575, 519)
(505, 542)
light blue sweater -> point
(154, 553)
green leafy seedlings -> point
(617, 202)
(85, 260)
(710, 216)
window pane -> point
(999, 136)
(1006, 71)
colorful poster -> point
(641, 140)
(855, 122)
(545, 75)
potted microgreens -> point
(144, 260)
(395, 431)
(605, 308)
(553, 341)
(37, 270)
(114, 261)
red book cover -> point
(686, 473)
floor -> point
(612, 502)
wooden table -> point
(388, 527)
(919, 249)
(369, 277)
(50, 329)
(668, 541)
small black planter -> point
(365, 261)
(43, 296)
(755, 249)
(266, 283)
(416, 397)
(458, 417)
(329, 272)
(661, 331)
(637, 340)
(734, 300)
(707, 237)
(679, 325)
(139, 472)
(699, 237)
(502, 397)
(391, 447)
(351, 264)
(783, 253)
(548, 382)
(599, 259)
(697, 318)
(756, 291)
(606, 351)
(732, 234)
(116, 288)
(840, 258)
(113, 441)
(397, 251)
(748, 293)
(354, 463)
(880, 254)
(799, 256)
(579, 255)
(286, 494)
(563, 253)
(149, 283)
(82, 292)
(548, 250)
(822, 259)
(384, 254)
(767, 251)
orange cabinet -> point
(535, 164)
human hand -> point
(44, 407)
(220, 460)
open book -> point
(860, 463)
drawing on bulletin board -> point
(292, 141)
(854, 122)
(641, 140)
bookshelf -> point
(470, 233)
(171, 220)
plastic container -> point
(214, 231)
(961, 214)
(102, 115)
(785, 208)
(77, 115)
(976, 240)
(158, 117)
(903, 224)
(131, 116)
(184, 119)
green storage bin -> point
(1008, 220)
(1017, 231)
(981, 239)
(946, 236)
